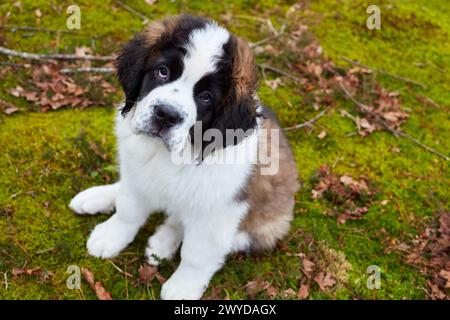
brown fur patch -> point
(154, 31)
(271, 197)
(244, 70)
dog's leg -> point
(206, 243)
(95, 200)
(165, 242)
(113, 235)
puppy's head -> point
(185, 69)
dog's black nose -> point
(166, 116)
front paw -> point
(94, 200)
(109, 238)
(182, 288)
(162, 245)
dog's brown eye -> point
(163, 73)
(205, 97)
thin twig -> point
(55, 56)
(269, 38)
(394, 131)
(307, 123)
(39, 29)
(5, 275)
(427, 101)
(246, 17)
(13, 64)
(133, 11)
(44, 251)
(271, 27)
(279, 71)
(356, 63)
(126, 274)
(74, 33)
(88, 69)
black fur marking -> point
(226, 110)
(173, 59)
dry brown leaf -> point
(303, 292)
(289, 293)
(98, 287)
(10, 110)
(274, 84)
(324, 280)
(257, 286)
(147, 273)
(445, 274)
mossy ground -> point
(47, 158)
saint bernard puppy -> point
(179, 73)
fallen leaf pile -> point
(430, 252)
(51, 90)
(351, 197)
(320, 80)
(322, 269)
(312, 272)
(97, 286)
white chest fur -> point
(178, 188)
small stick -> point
(307, 123)
(279, 71)
(5, 275)
(133, 11)
(394, 131)
(26, 28)
(271, 37)
(88, 69)
(126, 274)
(245, 17)
(427, 101)
(44, 251)
(356, 63)
(271, 27)
(56, 56)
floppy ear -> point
(239, 111)
(130, 64)
(131, 59)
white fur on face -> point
(204, 48)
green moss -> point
(47, 158)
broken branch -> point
(307, 123)
(356, 63)
(279, 71)
(54, 56)
(133, 11)
(88, 69)
(26, 28)
(269, 38)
